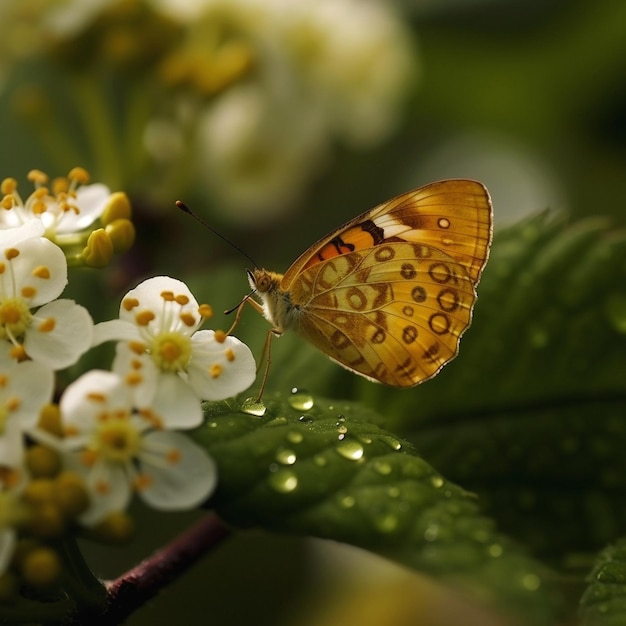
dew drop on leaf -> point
(350, 449)
(283, 481)
(286, 457)
(300, 400)
(437, 482)
(293, 436)
(252, 406)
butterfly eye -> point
(263, 281)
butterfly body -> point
(389, 294)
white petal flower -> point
(24, 390)
(33, 273)
(70, 208)
(162, 352)
(63, 333)
(121, 449)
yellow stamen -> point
(168, 296)
(143, 318)
(205, 311)
(173, 456)
(48, 325)
(230, 355)
(8, 185)
(182, 299)
(42, 272)
(220, 336)
(11, 253)
(130, 303)
(79, 174)
(141, 482)
(188, 319)
(137, 347)
(94, 396)
(28, 292)
(133, 378)
(215, 370)
(37, 177)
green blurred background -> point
(528, 97)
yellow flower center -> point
(171, 351)
(15, 318)
(117, 440)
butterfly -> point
(388, 294)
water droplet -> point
(305, 419)
(495, 550)
(382, 467)
(212, 424)
(286, 457)
(615, 310)
(386, 523)
(300, 400)
(279, 420)
(347, 502)
(531, 582)
(320, 460)
(350, 449)
(437, 482)
(294, 436)
(252, 406)
(283, 481)
(342, 429)
(365, 440)
(392, 442)
(340, 419)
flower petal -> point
(108, 485)
(91, 201)
(30, 385)
(114, 330)
(59, 334)
(176, 403)
(148, 296)
(181, 472)
(41, 268)
(220, 370)
(86, 398)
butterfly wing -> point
(453, 216)
(394, 312)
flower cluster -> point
(112, 433)
(248, 95)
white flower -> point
(259, 151)
(71, 206)
(167, 360)
(120, 448)
(33, 272)
(24, 390)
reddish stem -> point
(144, 581)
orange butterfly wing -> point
(389, 294)
(454, 216)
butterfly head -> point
(262, 281)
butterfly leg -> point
(253, 303)
(266, 354)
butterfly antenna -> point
(183, 207)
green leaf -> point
(330, 472)
(604, 601)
